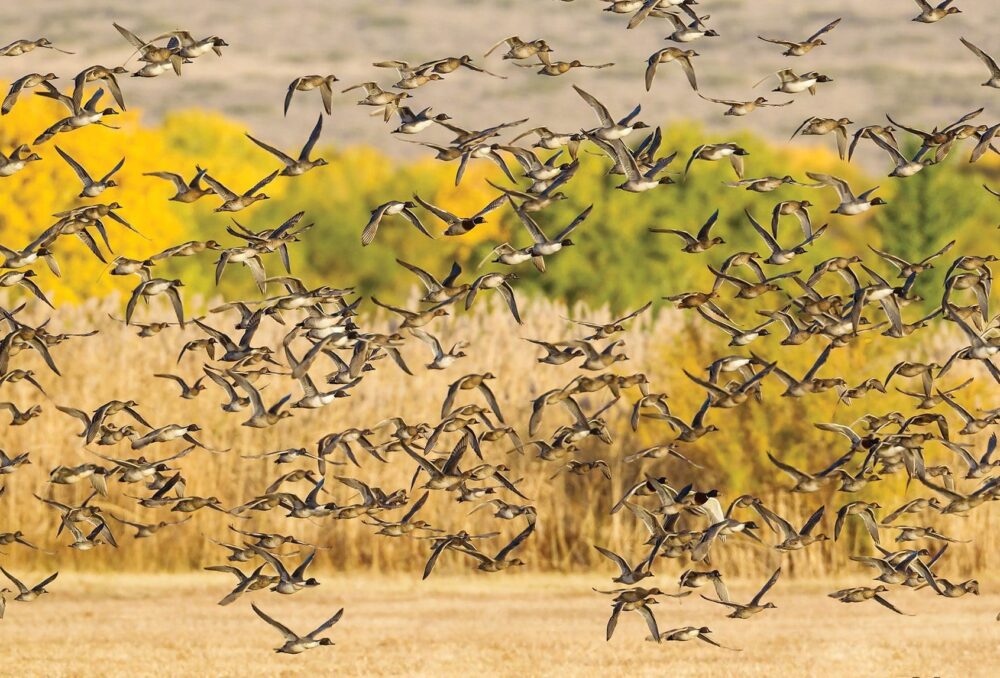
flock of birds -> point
(460, 455)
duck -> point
(91, 188)
(552, 141)
(860, 594)
(99, 74)
(185, 191)
(80, 116)
(629, 575)
(808, 482)
(633, 603)
(24, 82)
(797, 49)
(18, 417)
(151, 287)
(907, 268)
(991, 64)
(231, 202)
(689, 32)
(520, 49)
(543, 245)
(188, 47)
(502, 560)
(748, 610)
(294, 643)
(447, 65)
(850, 205)
(904, 168)
(668, 54)
(790, 83)
(637, 180)
(146, 530)
(306, 83)
(741, 108)
(391, 208)
(609, 129)
(686, 633)
(15, 162)
(22, 47)
(930, 14)
(461, 225)
(295, 167)
(25, 594)
(714, 152)
(261, 417)
(694, 579)
(414, 123)
(819, 126)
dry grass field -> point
(460, 626)
(572, 509)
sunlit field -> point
(549, 625)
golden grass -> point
(459, 626)
(573, 510)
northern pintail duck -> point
(231, 202)
(376, 96)
(745, 611)
(860, 594)
(296, 166)
(151, 287)
(410, 77)
(91, 188)
(714, 152)
(741, 108)
(189, 47)
(413, 123)
(804, 47)
(686, 633)
(21, 84)
(21, 47)
(391, 208)
(684, 32)
(666, 55)
(19, 417)
(991, 64)
(609, 129)
(519, 49)
(461, 225)
(26, 594)
(99, 74)
(626, 602)
(306, 83)
(447, 65)
(930, 14)
(294, 643)
(167, 433)
(15, 162)
(820, 126)
(790, 83)
(289, 582)
(628, 574)
(145, 530)
(186, 192)
(261, 417)
(850, 205)
(557, 68)
(80, 116)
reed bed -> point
(573, 511)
